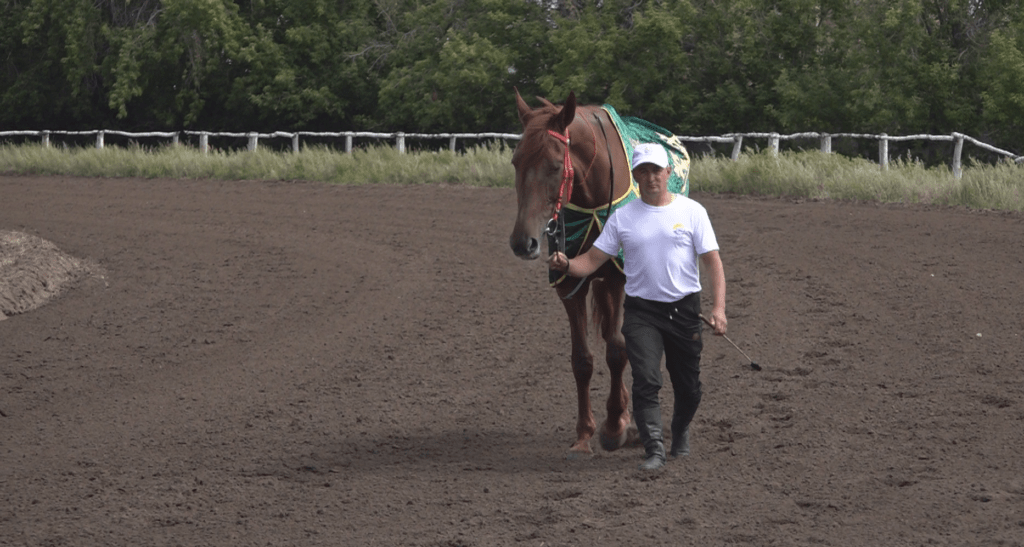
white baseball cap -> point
(650, 153)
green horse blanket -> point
(580, 222)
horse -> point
(571, 157)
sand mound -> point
(32, 271)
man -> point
(661, 236)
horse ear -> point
(524, 109)
(568, 113)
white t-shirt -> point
(660, 246)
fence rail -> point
(399, 137)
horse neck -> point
(600, 155)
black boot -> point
(648, 424)
(680, 440)
(655, 460)
(685, 409)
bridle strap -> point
(568, 173)
(556, 226)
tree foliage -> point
(696, 66)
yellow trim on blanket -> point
(596, 220)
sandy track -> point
(302, 364)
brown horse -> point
(572, 156)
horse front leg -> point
(582, 371)
(615, 431)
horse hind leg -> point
(614, 431)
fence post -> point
(451, 143)
(174, 139)
(295, 143)
(99, 138)
(883, 151)
(773, 143)
(826, 143)
(958, 170)
(348, 143)
(737, 146)
(253, 141)
(400, 142)
(46, 139)
(204, 142)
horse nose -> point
(527, 248)
(534, 248)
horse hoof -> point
(612, 444)
(579, 451)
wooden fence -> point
(736, 139)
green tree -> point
(304, 66)
(896, 66)
(655, 76)
(585, 42)
(451, 64)
(1002, 83)
(175, 69)
(53, 49)
(636, 57)
(695, 66)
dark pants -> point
(653, 329)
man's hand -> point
(719, 322)
(558, 262)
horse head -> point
(539, 162)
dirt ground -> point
(256, 363)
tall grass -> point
(482, 166)
(815, 175)
(807, 174)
